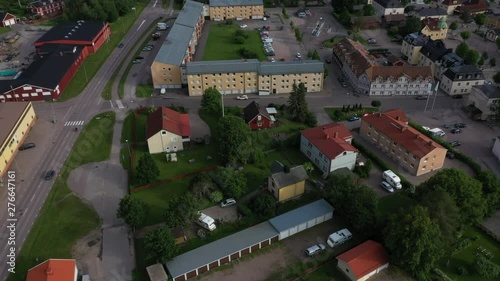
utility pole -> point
(222, 103)
(435, 95)
(54, 120)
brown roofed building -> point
(329, 147)
(389, 132)
(167, 130)
(434, 28)
(473, 7)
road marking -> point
(154, 5)
(74, 123)
(67, 112)
(32, 197)
(111, 103)
(141, 25)
(120, 104)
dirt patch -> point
(88, 246)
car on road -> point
(244, 26)
(242, 97)
(137, 61)
(298, 55)
(455, 143)
(450, 155)
(316, 249)
(488, 82)
(385, 185)
(421, 97)
(371, 41)
(27, 146)
(147, 49)
(120, 45)
(50, 175)
(456, 131)
(228, 202)
(460, 125)
(353, 118)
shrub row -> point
(461, 245)
(380, 163)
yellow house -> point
(16, 120)
(493, 21)
(286, 183)
(436, 29)
(236, 9)
(167, 130)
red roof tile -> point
(53, 270)
(473, 6)
(354, 55)
(365, 258)
(330, 139)
(169, 120)
(398, 131)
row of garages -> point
(230, 248)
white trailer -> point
(206, 222)
(339, 237)
(391, 178)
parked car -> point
(244, 26)
(272, 60)
(377, 55)
(450, 155)
(27, 146)
(455, 143)
(50, 175)
(457, 96)
(385, 185)
(460, 125)
(120, 45)
(298, 55)
(316, 249)
(371, 41)
(421, 97)
(228, 202)
(456, 131)
(139, 58)
(242, 97)
(353, 118)
(136, 61)
(448, 126)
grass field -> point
(220, 45)
(144, 91)
(330, 42)
(4, 30)
(93, 62)
(64, 218)
(344, 116)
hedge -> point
(381, 164)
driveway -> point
(199, 129)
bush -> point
(462, 270)
(215, 196)
(364, 171)
(376, 103)
(239, 40)
(298, 35)
(310, 119)
(244, 210)
(247, 54)
(485, 267)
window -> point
(259, 124)
(426, 159)
(309, 145)
(309, 153)
(424, 168)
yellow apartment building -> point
(252, 76)
(390, 133)
(236, 9)
(178, 48)
(16, 120)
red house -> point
(7, 19)
(46, 77)
(258, 118)
(90, 34)
(46, 7)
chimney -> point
(336, 134)
(287, 169)
(379, 114)
(397, 118)
(49, 271)
(403, 128)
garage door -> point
(284, 234)
(302, 227)
(292, 231)
(311, 223)
(320, 220)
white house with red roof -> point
(363, 261)
(167, 130)
(54, 270)
(329, 147)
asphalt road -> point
(32, 192)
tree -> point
(264, 205)
(453, 25)
(471, 57)
(496, 77)
(376, 103)
(132, 210)
(297, 104)
(493, 62)
(111, 12)
(465, 191)
(412, 25)
(201, 185)
(234, 140)
(310, 119)
(342, 5)
(462, 49)
(484, 55)
(405, 2)
(491, 191)
(413, 240)
(181, 210)
(443, 210)
(231, 182)
(466, 16)
(480, 62)
(147, 171)
(160, 245)
(480, 20)
(308, 166)
(239, 40)
(368, 10)
(211, 101)
(465, 35)
(345, 18)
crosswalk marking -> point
(119, 104)
(74, 123)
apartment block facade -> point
(459, 80)
(411, 46)
(236, 9)
(480, 101)
(390, 133)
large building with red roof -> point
(54, 270)
(329, 147)
(390, 133)
(167, 130)
(363, 261)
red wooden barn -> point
(258, 118)
(7, 19)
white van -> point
(339, 237)
(206, 222)
(437, 132)
(391, 178)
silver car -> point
(316, 249)
(228, 202)
(385, 185)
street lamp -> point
(222, 103)
(128, 147)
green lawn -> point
(93, 62)
(127, 127)
(330, 42)
(5, 30)
(344, 116)
(64, 218)
(144, 91)
(464, 258)
(220, 45)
